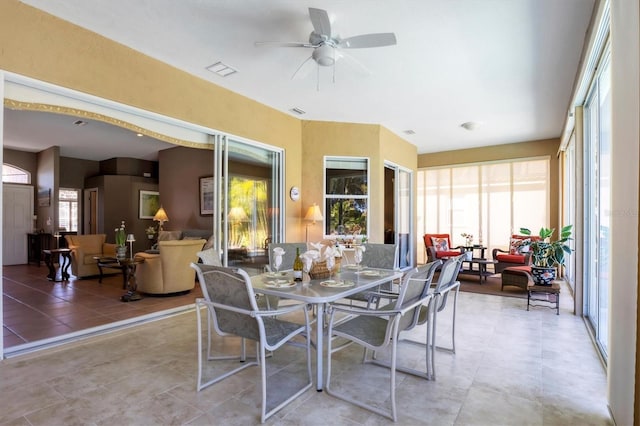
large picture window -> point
(346, 195)
(490, 201)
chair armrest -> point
(495, 252)
(283, 310)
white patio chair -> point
(232, 310)
(375, 330)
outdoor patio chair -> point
(376, 330)
(231, 310)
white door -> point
(17, 222)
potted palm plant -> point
(547, 254)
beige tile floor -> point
(512, 367)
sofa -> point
(84, 250)
(186, 234)
(169, 270)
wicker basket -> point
(319, 270)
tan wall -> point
(548, 147)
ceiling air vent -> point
(221, 69)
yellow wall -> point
(548, 147)
(320, 138)
(46, 48)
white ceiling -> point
(508, 65)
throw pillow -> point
(210, 257)
(440, 244)
(210, 242)
(519, 245)
(169, 235)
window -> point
(346, 195)
(12, 174)
(68, 209)
(488, 200)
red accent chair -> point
(512, 256)
(434, 254)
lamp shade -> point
(237, 214)
(131, 238)
(314, 214)
(161, 216)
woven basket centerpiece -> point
(319, 269)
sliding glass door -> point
(249, 177)
(597, 111)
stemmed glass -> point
(278, 252)
(357, 256)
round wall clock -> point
(294, 193)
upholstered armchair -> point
(517, 255)
(439, 246)
(84, 250)
(169, 270)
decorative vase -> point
(543, 275)
(121, 252)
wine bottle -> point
(297, 267)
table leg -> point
(64, 268)
(48, 260)
(125, 277)
(319, 345)
(131, 295)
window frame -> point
(326, 196)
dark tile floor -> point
(36, 308)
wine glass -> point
(357, 256)
(278, 252)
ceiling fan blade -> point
(304, 69)
(353, 63)
(283, 44)
(368, 40)
(320, 21)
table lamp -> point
(161, 217)
(131, 239)
(314, 215)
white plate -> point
(354, 267)
(337, 284)
(371, 273)
(275, 274)
(280, 284)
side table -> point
(553, 289)
(128, 268)
(50, 261)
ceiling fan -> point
(326, 46)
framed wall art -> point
(206, 195)
(149, 204)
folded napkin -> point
(278, 252)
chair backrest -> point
(517, 241)
(428, 242)
(230, 291)
(176, 256)
(422, 274)
(289, 254)
(384, 256)
(415, 286)
(448, 279)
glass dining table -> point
(319, 292)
